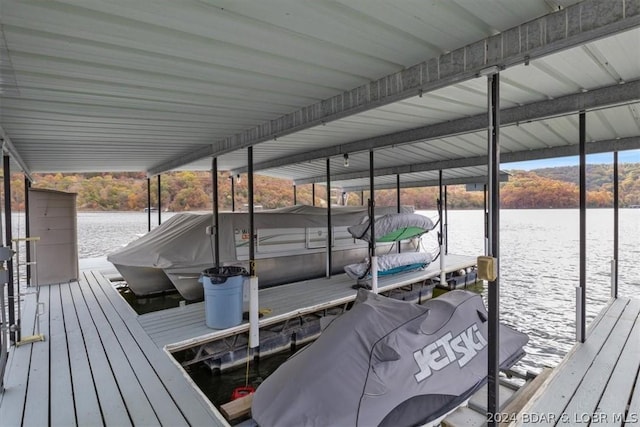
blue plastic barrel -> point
(223, 296)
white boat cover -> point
(181, 241)
(386, 363)
(393, 227)
(389, 264)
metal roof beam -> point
(605, 96)
(573, 26)
(482, 179)
(10, 149)
(610, 145)
(184, 159)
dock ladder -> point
(31, 279)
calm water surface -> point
(539, 264)
(540, 269)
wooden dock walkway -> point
(97, 366)
(184, 327)
(102, 364)
(597, 382)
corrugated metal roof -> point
(111, 86)
(543, 79)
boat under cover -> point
(387, 362)
(290, 246)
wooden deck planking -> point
(113, 408)
(190, 315)
(586, 397)
(128, 381)
(95, 368)
(597, 377)
(182, 327)
(194, 406)
(36, 411)
(87, 408)
(17, 372)
(623, 378)
(633, 414)
(159, 400)
(62, 407)
(195, 329)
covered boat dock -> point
(346, 94)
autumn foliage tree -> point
(187, 190)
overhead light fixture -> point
(346, 160)
(238, 179)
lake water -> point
(539, 264)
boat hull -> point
(144, 281)
(271, 271)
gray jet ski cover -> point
(386, 362)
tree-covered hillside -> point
(183, 191)
(600, 179)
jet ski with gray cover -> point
(387, 362)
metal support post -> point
(486, 220)
(399, 207)
(493, 369)
(148, 204)
(27, 229)
(581, 303)
(329, 230)
(373, 259)
(446, 221)
(12, 294)
(233, 194)
(295, 195)
(616, 226)
(254, 332)
(159, 199)
(443, 275)
(214, 196)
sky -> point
(632, 156)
